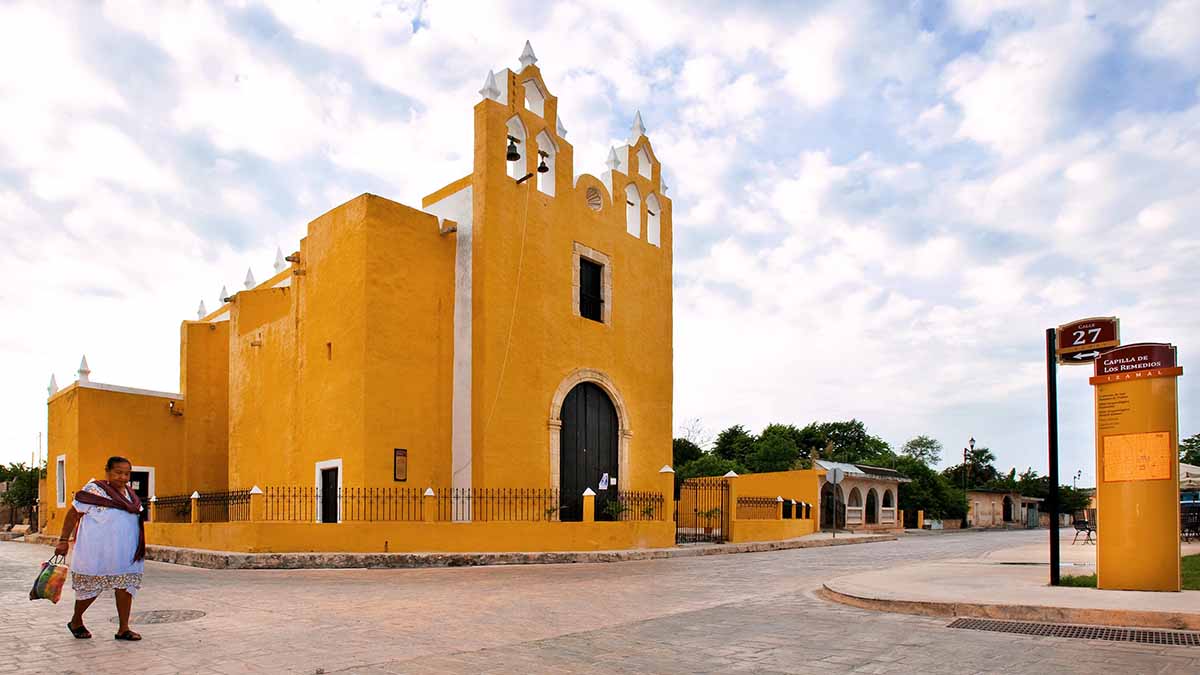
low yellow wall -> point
(769, 530)
(413, 537)
(802, 485)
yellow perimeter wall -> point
(413, 537)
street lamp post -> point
(966, 469)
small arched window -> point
(516, 136)
(633, 211)
(887, 499)
(644, 168)
(535, 100)
(855, 498)
(652, 220)
(546, 153)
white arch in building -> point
(653, 220)
(516, 129)
(633, 210)
(545, 144)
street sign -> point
(1136, 361)
(1081, 342)
(836, 476)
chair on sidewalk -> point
(1085, 528)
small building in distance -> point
(866, 499)
(1001, 509)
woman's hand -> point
(62, 548)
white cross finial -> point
(84, 371)
(280, 263)
(527, 57)
(639, 129)
(613, 163)
(201, 312)
(490, 90)
(249, 279)
(53, 388)
(562, 130)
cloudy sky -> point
(877, 213)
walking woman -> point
(109, 547)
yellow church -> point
(491, 371)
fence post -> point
(778, 507)
(731, 481)
(429, 505)
(668, 476)
(195, 507)
(257, 504)
(920, 519)
(153, 508)
(589, 506)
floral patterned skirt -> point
(88, 586)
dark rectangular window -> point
(591, 298)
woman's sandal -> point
(127, 635)
(81, 633)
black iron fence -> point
(702, 510)
(173, 509)
(224, 507)
(633, 505)
(498, 504)
(757, 508)
(353, 504)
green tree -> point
(774, 450)
(734, 444)
(22, 486)
(980, 469)
(850, 442)
(1189, 450)
(928, 490)
(707, 464)
(684, 451)
(924, 449)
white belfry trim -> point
(554, 425)
(459, 207)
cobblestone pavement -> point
(735, 613)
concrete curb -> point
(267, 561)
(1037, 613)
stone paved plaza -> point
(753, 613)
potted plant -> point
(708, 517)
(614, 508)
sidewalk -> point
(319, 560)
(1013, 584)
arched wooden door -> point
(587, 450)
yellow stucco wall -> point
(527, 340)
(405, 537)
(90, 425)
(204, 383)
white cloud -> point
(1017, 92)
(811, 59)
(1173, 33)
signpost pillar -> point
(1052, 431)
(1137, 468)
(1076, 344)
